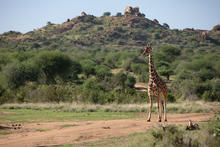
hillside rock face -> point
(216, 28)
(204, 35)
(132, 11)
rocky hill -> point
(130, 29)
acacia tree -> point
(88, 68)
(164, 59)
(56, 64)
(165, 71)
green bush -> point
(88, 68)
(19, 73)
(102, 72)
(130, 82)
(92, 84)
(54, 93)
(56, 64)
(211, 95)
(171, 98)
(118, 14)
(106, 13)
(3, 98)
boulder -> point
(83, 14)
(136, 10)
(216, 28)
(204, 35)
(156, 21)
(128, 10)
(132, 11)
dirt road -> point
(58, 133)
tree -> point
(118, 14)
(165, 71)
(164, 59)
(49, 23)
(120, 79)
(106, 13)
(102, 72)
(19, 73)
(169, 53)
(88, 68)
(56, 64)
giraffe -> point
(156, 86)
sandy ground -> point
(77, 132)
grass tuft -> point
(42, 130)
(5, 132)
(68, 125)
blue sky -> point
(26, 15)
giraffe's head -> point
(147, 50)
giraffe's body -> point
(156, 86)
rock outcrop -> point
(83, 14)
(129, 11)
(216, 28)
(156, 21)
(204, 35)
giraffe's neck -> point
(152, 71)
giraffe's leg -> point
(159, 108)
(165, 106)
(165, 115)
(150, 108)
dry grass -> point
(184, 107)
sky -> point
(26, 15)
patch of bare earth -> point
(58, 133)
(141, 87)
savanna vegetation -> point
(170, 136)
(98, 60)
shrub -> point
(130, 82)
(88, 68)
(92, 84)
(118, 14)
(106, 13)
(102, 72)
(3, 98)
(56, 64)
(54, 93)
(88, 18)
(120, 79)
(171, 98)
(210, 95)
(49, 23)
(165, 71)
(4, 59)
(19, 73)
